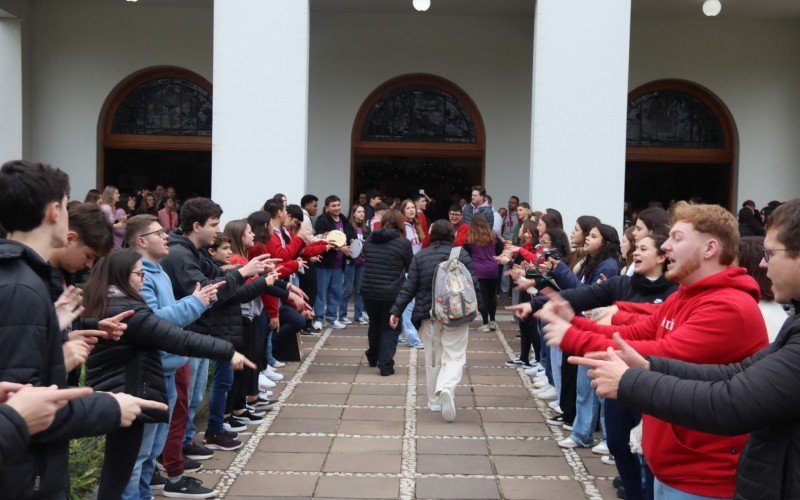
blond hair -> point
(713, 220)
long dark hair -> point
(259, 224)
(560, 240)
(751, 251)
(610, 249)
(586, 223)
(234, 230)
(656, 219)
(480, 232)
(441, 230)
(115, 269)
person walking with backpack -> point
(447, 355)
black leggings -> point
(529, 334)
(122, 448)
(488, 308)
(569, 389)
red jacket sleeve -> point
(290, 252)
(461, 235)
(314, 249)
(637, 307)
(527, 255)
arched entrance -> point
(155, 128)
(418, 132)
(681, 144)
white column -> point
(260, 102)
(11, 90)
(580, 87)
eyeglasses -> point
(140, 274)
(159, 232)
(768, 254)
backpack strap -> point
(454, 253)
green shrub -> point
(85, 464)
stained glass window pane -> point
(165, 106)
(419, 113)
(673, 119)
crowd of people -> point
(134, 296)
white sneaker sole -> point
(448, 406)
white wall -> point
(79, 51)
(752, 67)
(11, 90)
(489, 58)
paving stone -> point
(388, 390)
(443, 428)
(511, 378)
(507, 465)
(371, 427)
(376, 400)
(524, 448)
(363, 463)
(522, 416)
(320, 399)
(295, 444)
(430, 487)
(606, 489)
(453, 464)
(515, 429)
(396, 415)
(542, 489)
(277, 485)
(310, 412)
(276, 461)
(519, 392)
(596, 467)
(322, 389)
(329, 377)
(446, 446)
(358, 487)
(346, 445)
(331, 369)
(304, 425)
(463, 416)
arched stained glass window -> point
(672, 119)
(419, 113)
(165, 106)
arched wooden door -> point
(155, 128)
(681, 143)
(414, 132)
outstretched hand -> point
(521, 310)
(115, 326)
(557, 305)
(607, 368)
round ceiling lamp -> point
(712, 7)
(421, 5)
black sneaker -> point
(231, 435)
(197, 452)
(267, 404)
(222, 442)
(160, 464)
(232, 425)
(187, 487)
(617, 482)
(247, 418)
(558, 420)
(253, 411)
(190, 465)
(157, 482)
(515, 363)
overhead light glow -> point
(712, 7)
(421, 5)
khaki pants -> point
(445, 356)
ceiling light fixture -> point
(712, 7)
(421, 5)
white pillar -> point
(260, 102)
(580, 87)
(10, 90)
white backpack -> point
(453, 302)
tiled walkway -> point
(343, 431)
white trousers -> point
(445, 356)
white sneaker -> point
(264, 382)
(338, 325)
(434, 407)
(532, 371)
(317, 326)
(271, 374)
(279, 364)
(549, 393)
(541, 384)
(346, 321)
(555, 406)
(362, 321)
(448, 404)
(266, 394)
(568, 443)
(601, 448)
(493, 325)
(484, 328)
(608, 460)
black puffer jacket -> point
(759, 395)
(133, 365)
(14, 437)
(323, 225)
(387, 257)
(419, 284)
(635, 288)
(31, 352)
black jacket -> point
(31, 352)
(387, 257)
(186, 265)
(635, 288)
(323, 225)
(14, 437)
(750, 223)
(759, 395)
(419, 284)
(133, 364)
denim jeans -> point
(664, 492)
(155, 435)
(198, 380)
(352, 283)
(587, 410)
(408, 327)
(556, 356)
(329, 293)
(263, 325)
(220, 386)
(619, 422)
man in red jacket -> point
(712, 318)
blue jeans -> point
(352, 282)
(155, 435)
(619, 422)
(556, 358)
(587, 410)
(198, 380)
(664, 492)
(220, 386)
(408, 327)
(263, 325)
(329, 293)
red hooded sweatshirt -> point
(715, 320)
